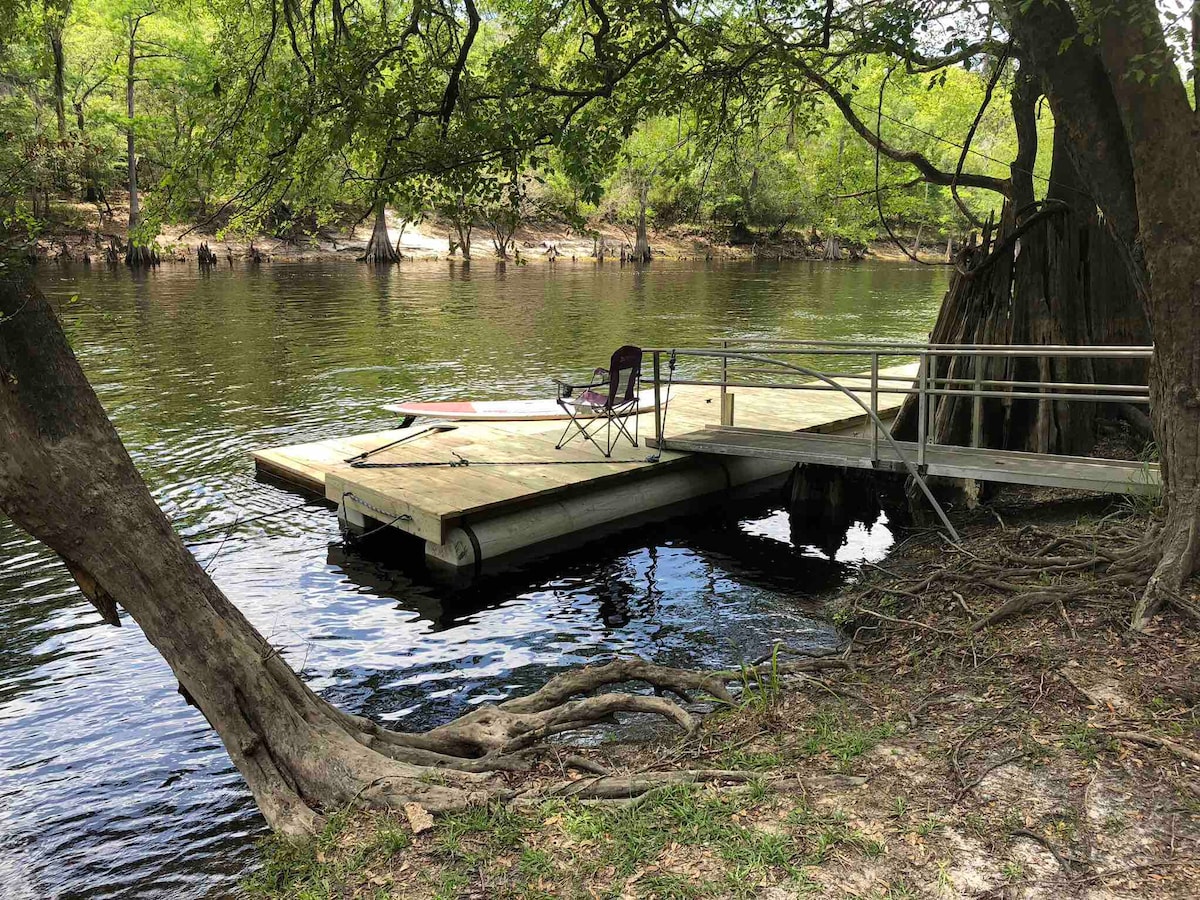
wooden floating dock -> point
(518, 493)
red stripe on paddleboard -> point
(459, 406)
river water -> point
(110, 786)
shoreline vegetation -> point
(76, 233)
(944, 751)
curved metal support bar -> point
(912, 469)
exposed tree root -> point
(626, 787)
(1033, 569)
(1179, 550)
(1151, 740)
(501, 737)
(464, 761)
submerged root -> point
(500, 737)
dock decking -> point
(1083, 473)
(518, 491)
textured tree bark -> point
(379, 247)
(1164, 143)
(56, 51)
(1056, 285)
(1136, 144)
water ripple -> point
(111, 786)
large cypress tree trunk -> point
(1136, 145)
(1053, 275)
(380, 248)
(1164, 145)
(641, 243)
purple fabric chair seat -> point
(609, 399)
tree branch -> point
(929, 172)
(450, 98)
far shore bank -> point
(81, 236)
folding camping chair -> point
(593, 409)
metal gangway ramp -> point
(786, 365)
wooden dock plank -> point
(1112, 476)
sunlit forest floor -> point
(77, 229)
(1048, 755)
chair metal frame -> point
(609, 411)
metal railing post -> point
(922, 402)
(932, 403)
(977, 405)
(724, 389)
(874, 408)
(726, 397)
(658, 424)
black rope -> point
(878, 197)
(462, 462)
(662, 421)
(229, 526)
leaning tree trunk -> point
(380, 248)
(916, 244)
(66, 478)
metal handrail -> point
(871, 412)
(1007, 350)
(736, 344)
(932, 391)
(926, 385)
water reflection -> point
(110, 785)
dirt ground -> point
(1051, 754)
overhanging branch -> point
(929, 172)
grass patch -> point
(483, 832)
(823, 833)
(312, 870)
(840, 735)
(1088, 742)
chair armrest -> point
(565, 389)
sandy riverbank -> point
(80, 232)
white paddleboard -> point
(491, 410)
